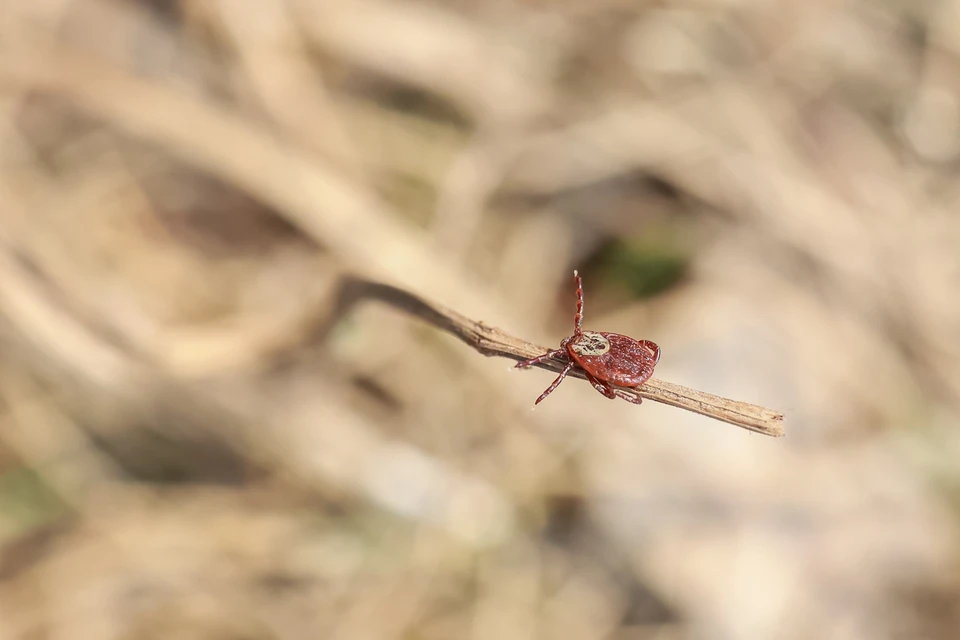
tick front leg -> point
(549, 355)
(563, 374)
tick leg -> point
(601, 387)
(612, 393)
(549, 355)
(654, 349)
(628, 397)
(578, 319)
(563, 374)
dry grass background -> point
(197, 442)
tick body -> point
(609, 360)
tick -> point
(607, 359)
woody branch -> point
(491, 341)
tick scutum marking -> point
(591, 344)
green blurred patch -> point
(414, 198)
(26, 502)
(644, 268)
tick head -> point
(590, 344)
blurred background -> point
(205, 434)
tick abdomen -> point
(613, 357)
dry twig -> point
(491, 341)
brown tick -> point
(607, 359)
